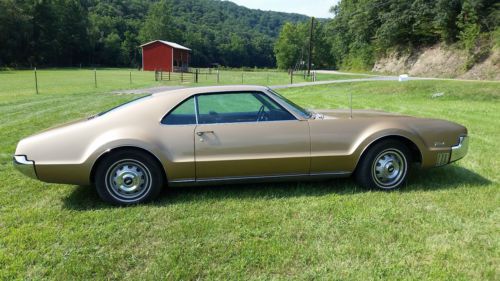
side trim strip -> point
(325, 174)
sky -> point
(313, 8)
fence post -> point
(130, 77)
(95, 77)
(242, 77)
(161, 74)
(218, 76)
(196, 77)
(182, 77)
(36, 82)
(291, 77)
(268, 78)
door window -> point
(239, 107)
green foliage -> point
(159, 23)
(15, 28)
(292, 46)
(108, 32)
(362, 30)
(468, 25)
(496, 38)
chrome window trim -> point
(175, 107)
(196, 109)
(236, 92)
(247, 122)
(269, 93)
(195, 96)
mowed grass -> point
(14, 84)
(443, 225)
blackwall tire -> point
(129, 177)
(384, 166)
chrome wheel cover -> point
(128, 180)
(389, 168)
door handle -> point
(204, 132)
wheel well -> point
(122, 148)
(416, 155)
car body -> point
(235, 133)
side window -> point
(239, 107)
(273, 111)
(183, 114)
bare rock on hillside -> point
(440, 61)
(487, 69)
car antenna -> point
(350, 103)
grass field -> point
(444, 225)
(78, 81)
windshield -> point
(297, 109)
(121, 105)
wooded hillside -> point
(363, 30)
(108, 32)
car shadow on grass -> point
(448, 177)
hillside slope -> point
(440, 61)
(108, 32)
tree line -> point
(108, 32)
(362, 30)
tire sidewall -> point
(365, 176)
(154, 169)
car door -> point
(247, 134)
(177, 141)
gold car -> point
(232, 134)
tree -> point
(159, 24)
(15, 31)
(468, 25)
(363, 30)
(290, 47)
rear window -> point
(122, 105)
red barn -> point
(165, 56)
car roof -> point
(202, 90)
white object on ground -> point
(437, 95)
(403, 77)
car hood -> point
(358, 113)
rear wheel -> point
(384, 166)
(129, 177)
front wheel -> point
(128, 177)
(384, 166)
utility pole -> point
(309, 63)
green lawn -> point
(444, 225)
(78, 81)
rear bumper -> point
(25, 166)
(460, 150)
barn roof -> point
(171, 44)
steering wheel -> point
(261, 113)
(214, 116)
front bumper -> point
(25, 166)
(460, 150)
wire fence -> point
(200, 75)
(53, 81)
